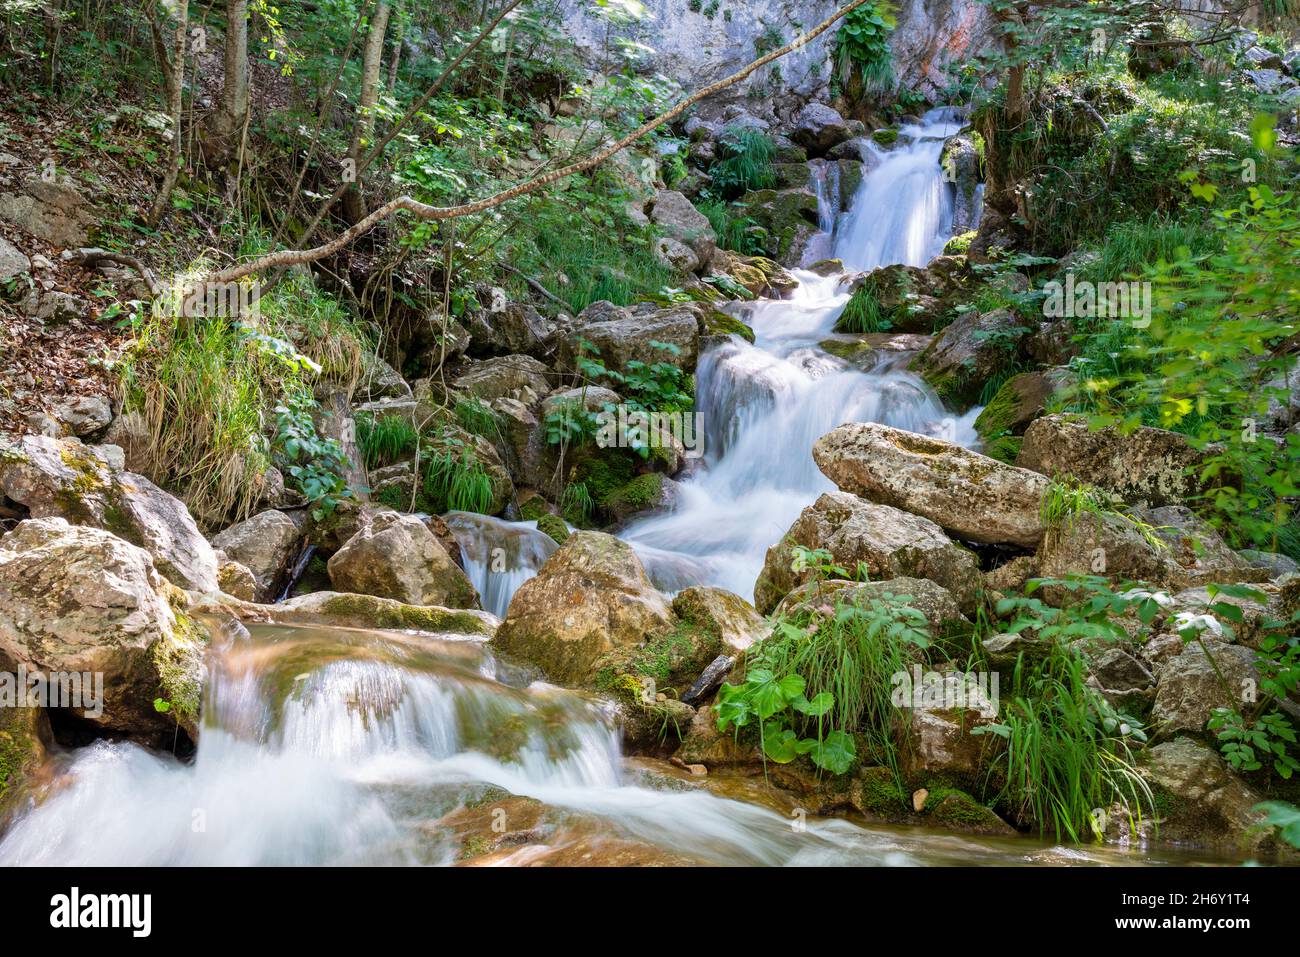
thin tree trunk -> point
(354, 203)
(232, 109)
(174, 72)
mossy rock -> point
(24, 733)
(877, 794)
(669, 663)
(718, 323)
(554, 526)
(886, 136)
(958, 245)
(1004, 448)
(641, 493)
(958, 811)
(792, 175)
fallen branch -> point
(423, 211)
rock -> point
(514, 329)
(396, 556)
(12, 261)
(818, 128)
(456, 442)
(1197, 548)
(237, 581)
(1021, 399)
(334, 420)
(379, 380)
(79, 599)
(961, 164)
(1111, 546)
(84, 415)
(1052, 343)
(645, 493)
(62, 477)
(338, 610)
(679, 219)
(733, 620)
(1149, 466)
(528, 455)
(653, 727)
(1262, 58)
(935, 602)
(676, 255)
(709, 681)
(54, 212)
(630, 337)
(1188, 690)
(25, 740)
(938, 743)
(968, 352)
(265, 545)
(517, 377)
(789, 219)
(129, 432)
(967, 494)
(590, 598)
(1204, 803)
(1274, 563)
(958, 811)
(889, 542)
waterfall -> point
(499, 556)
(765, 405)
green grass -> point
(735, 230)
(1066, 751)
(863, 312)
(385, 440)
(474, 416)
(746, 163)
(456, 481)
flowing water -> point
(339, 746)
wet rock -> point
(1188, 688)
(969, 495)
(957, 811)
(789, 218)
(651, 492)
(590, 598)
(656, 726)
(81, 483)
(961, 165)
(264, 544)
(709, 681)
(968, 352)
(396, 556)
(236, 580)
(25, 739)
(79, 599)
(736, 622)
(1149, 466)
(339, 610)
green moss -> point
(367, 611)
(958, 810)
(605, 473)
(178, 659)
(846, 348)
(639, 493)
(1004, 448)
(959, 245)
(555, 527)
(718, 323)
(533, 509)
(672, 661)
(880, 792)
(887, 136)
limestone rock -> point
(396, 556)
(264, 544)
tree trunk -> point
(232, 110)
(174, 82)
(354, 204)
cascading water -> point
(338, 746)
(499, 556)
(764, 405)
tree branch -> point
(423, 211)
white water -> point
(335, 746)
(499, 556)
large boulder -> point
(1149, 466)
(967, 494)
(678, 218)
(515, 328)
(52, 211)
(75, 599)
(85, 485)
(590, 598)
(735, 622)
(621, 336)
(961, 164)
(788, 217)
(1019, 401)
(264, 544)
(1109, 545)
(968, 352)
(396, 556)
(889, 542)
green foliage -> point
(746, 163)
(863, 59)
(1285, 818)
(735, 230)
(645, 387)
(312, 465)
(772, 703)
(476, 418)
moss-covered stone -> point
(958, 811)
(23, 732)
(886, 136)
(554, 526)
(718, 323)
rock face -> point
(54, 212)
(818, 128)
(78, 599)
(264, 544)
(1150, 466)
(891, 543)
(396, 556)
(590, 598)
(516, 377)
(968, 495)
(64, 478)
